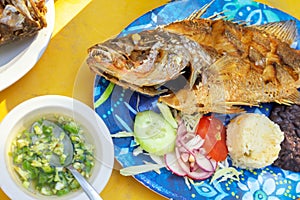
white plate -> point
(27, 112)
(18, 57)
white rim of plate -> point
(28, 57)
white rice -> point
(253, 141)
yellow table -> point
(78, 25)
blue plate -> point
(117, 108)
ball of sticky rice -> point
(253, 141)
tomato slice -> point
(213, 131)
(203, 126)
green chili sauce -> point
(30, 154)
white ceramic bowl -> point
(33, 109)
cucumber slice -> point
(154, 134)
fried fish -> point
(233, 64)
(21, 19)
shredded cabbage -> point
(134, 170)
(223, 172)
(122, 134)
(226, 173)
(191, 121)
(167, 114)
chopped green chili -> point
(31, 151)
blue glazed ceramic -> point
(117, 107)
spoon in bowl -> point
(69, 152)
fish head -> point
(147, 59)
(108, 60)
(129, 62)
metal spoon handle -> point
(88, 189)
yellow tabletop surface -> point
(78, 25)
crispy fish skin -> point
(268, 46)
(144, 61)
(247, 65)
(255, 65)
(21, 19)
(230, 83)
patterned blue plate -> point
(117, 107)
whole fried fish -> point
(248, 65)
(21, 19)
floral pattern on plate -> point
(117, 107)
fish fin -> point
(148, 90)
(292, 99)
(183, 100)
(226, 109)
(286, 31)
(234, 109)
(241, 104)
(226, 65)
(198, 13)
(186, 102)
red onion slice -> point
(173, 165)
(185, 166)
(204, 163)
(189, 158)
(195, 143)
(199, 174)
(184, 156)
